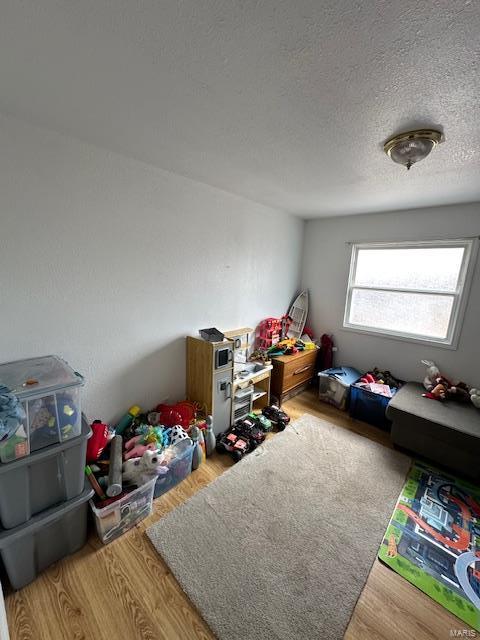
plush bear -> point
(431, 375)
(475, 397)
(140, 470)
(445, 390)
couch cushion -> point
(464, 418)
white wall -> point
(109, 263)
(325, 273)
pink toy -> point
(269, 331)
(135, 450)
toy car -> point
(279, 418)
(249, 429)
(262, 421)
(230, 442)
(244, 437)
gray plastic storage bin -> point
(49, 391)
(50, 536)
(334, 385)
(43, 479)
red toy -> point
(368, 379)
(326, 352)
(98, 440)
(269, 331)
(182, 413)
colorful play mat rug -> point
(433, 540)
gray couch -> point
(447, 433)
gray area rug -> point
(281, 544)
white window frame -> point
(460, 294)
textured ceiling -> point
(284, 102)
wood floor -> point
(125, 591)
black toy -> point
(230, 442)
(279, 418)
(249, 429)
(244, 437)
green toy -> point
(13, 448)
(151, 435)
(262, 421)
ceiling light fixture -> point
(412, 146)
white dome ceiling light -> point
(412, 146)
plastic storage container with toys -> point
(334, 385)
(178, 468)
(371, 407)
(50, 393)
(121, 515)
(43, 479)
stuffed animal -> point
(386, 377)
(140, 470)
(445, 390)
(135, 449)
(431, 375)
(147, 439)
(459, 392)
(439, 392)
(153, 434)
(154, 418)
(475, 397)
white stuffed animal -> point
(140, 470)
(431, 375)
(475, 397)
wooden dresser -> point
(292, 374)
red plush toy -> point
(445, 390)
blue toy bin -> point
(178, 469)
(370, 407)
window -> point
(413, 290)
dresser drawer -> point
(290, 372)
(296, 373)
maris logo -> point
(463, 633)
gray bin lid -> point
(38, 376)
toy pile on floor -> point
(272, 340)
(438, 387)
(147, 454)
(146, 446)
